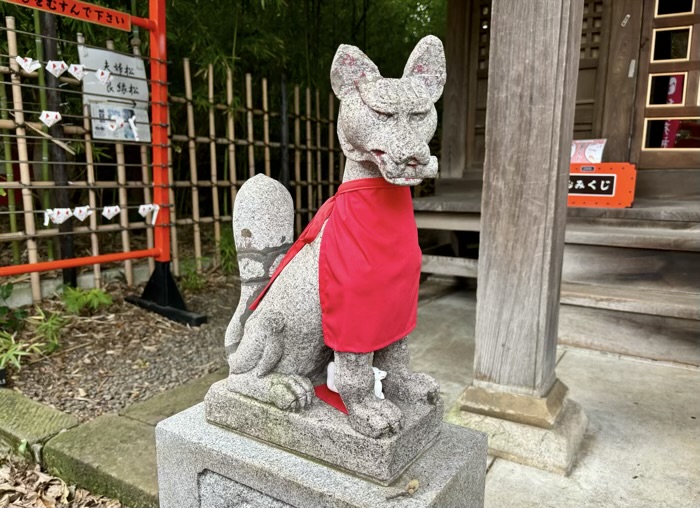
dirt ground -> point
(126, 354)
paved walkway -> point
(642, 448)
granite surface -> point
(450, 474)
(276, 352)
(323, 433)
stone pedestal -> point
(542, 432)
(323, 433)
(203, 465)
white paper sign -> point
(587, 150)
(27, 64)
(103, 76)
(50, 117)
(77, 71)
(134, 129)
(82, 212)
(111, 120)
(148, 208)
(57, 215)
(109, 212)
(116, 86)
(56, 67)
(115, 122)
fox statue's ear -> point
(427, 64)
(350, 65)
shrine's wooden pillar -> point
(515, 396)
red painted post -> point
(159, 113)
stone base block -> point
(323, 432)
(538, 411)
(553, 449)
(201, 465)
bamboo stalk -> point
(309, 161)
(331, 144)
(9, 172)
(123, 203)
(297, 159)
(45, 197)
(266, 127)
(249, 115)
(92, 197)
(193, 166)
(174, 250)
(23, 155)
(212, 159)
(231, 136)
(319, 166)
(144, 155)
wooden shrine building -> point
(631, 276)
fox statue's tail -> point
(263, 229)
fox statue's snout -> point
(389, 122)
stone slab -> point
(324, 433)
(22, 418)
(200, 464)
(552, 449)
(112, 455)
(171, 402)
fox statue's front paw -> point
(412, 387)
(291, 392)
(374, 417)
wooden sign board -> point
(604, 185)
(80, 10)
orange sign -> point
(604, 185)
(80, 10)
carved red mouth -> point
(378, 153)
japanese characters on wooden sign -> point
(116, 90)
(604, 185)
(80, 10)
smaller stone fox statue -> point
(347, 289)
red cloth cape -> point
(369, 265)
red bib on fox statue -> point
(369, 265)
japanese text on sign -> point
(80, 10)
(591, 185)
(116, 89)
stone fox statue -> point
(347, 289)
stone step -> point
(112, 455)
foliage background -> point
(268, 37)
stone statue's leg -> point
(252, 366)
(401, 383)
(355, 382)
(289, 392)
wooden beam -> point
(454, 116)
(533, 67)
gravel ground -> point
(25, 486)
(126, 354)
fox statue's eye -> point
(382, 116)
(419, 117)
